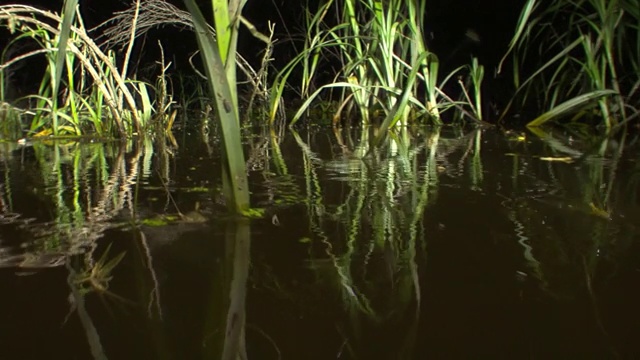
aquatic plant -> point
(379, 62)
(589, 60)
(95, 95)
(218, 56)
(98, 274)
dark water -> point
(445, 244)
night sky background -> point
(447, 20)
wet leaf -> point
(564, 159)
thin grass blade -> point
(68, 15)
(570, 106)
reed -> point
(218, 56)
(382, 63)
(83, 90)
(382, 71)
(589, 53)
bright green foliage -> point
(222, 86)
(82, 90)
(384, 62)
(69, 13)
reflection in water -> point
(441, 243)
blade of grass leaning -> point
(522, 24)
(68, 14)
(228, 115)
(432, 78)
(305, 105)
(570, 106)
(394, 115)
(561, 56)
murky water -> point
(444, 244)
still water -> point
(443, 244)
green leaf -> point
(398, 108)
(570, 106)
(222, 92)
(68, 15)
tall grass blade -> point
(221, 91)
(561, 56)
(68, 15)
(223, 27)
(522, 25)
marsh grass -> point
(83, 90)
(98, 274)
(218, 53)
(589, 53)
(218, 56)
(138, 21)
(380, 65)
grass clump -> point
(84, 91)
(380, 64)
(577, 58)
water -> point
(445, 244)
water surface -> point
(445, 243)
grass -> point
(83, 89)
(380, 68)
(218, 57)
(383, 68)
(589, 61)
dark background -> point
(447, 20)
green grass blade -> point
(305, 105)
(398, 108)
(523, 22)
(223, 28)
(68, 15)
(570, 106)
(228, 115)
